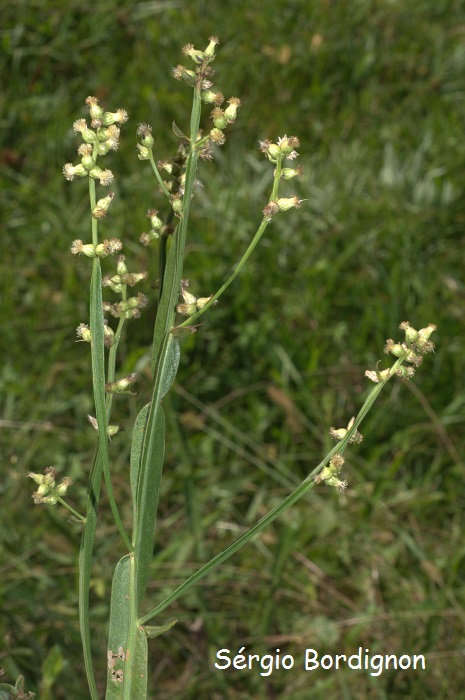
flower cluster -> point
(284, 148)
(121, 386)
(416, 344)
(84, 334)
(277, 153)
(101, 250)
(340, 433)
(191, 303)
(329, 475)
(200, 77)
(158, 228)
(49, 492)
(102, 137)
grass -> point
(375, 92)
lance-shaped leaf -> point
(127, 640)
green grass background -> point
(375, 91)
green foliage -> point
(375, 92)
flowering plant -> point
(129, 630)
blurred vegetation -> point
(375, 91)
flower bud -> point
(132, 313)
(70, 171)
(337, 462)
(114, 283)
(377, 376)
(414, 358)
(108, 335)
(146, 238)
(395, 349)
(186, 309)
(203, 301)
(285, 203)
(329, 474)
(155, 221)
(405, 372)
(425, 333)
(181, 73)
(270, 210)
(144, 152)
(49, 476)
(62, 488)
(210, 97)
(410, 333)
(289, 173)
(49, 500)
(80, 248)
(83, 332)
(121, 385)
(102, 134)
(88, 135)
(118, 117)
(176, 203)
(108, 247)
(132, 278)
(102, 206)
(144, 132)
(230, 112)
(323, 475)
(121, 267)
(38, 478)
(88, 162)
(217, 136)
(271, 150)
(287, 144)
(219, 119)
(197, 56)
(424, 346)
(96, 112)
(136, 302)
(211, 48)
(105, 177)
(338, 433)
(190, 303)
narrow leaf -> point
(170, 367)
(151, 466)
(148, 489)
(126, 671)
(136, 449)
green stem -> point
(161, 264)
(74, 512)
(157, 174)
(109, 401)
(172, 280)
(165, 358)
(307, 484)
(101, 459)
(253, 244)
(162, 255)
